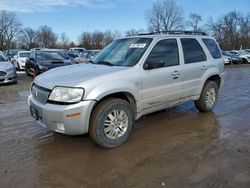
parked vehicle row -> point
(236, 56)
(39, 60)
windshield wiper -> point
(104, 63)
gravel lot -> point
(178, 147)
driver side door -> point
(162, 76)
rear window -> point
(192, 51)
(212, 48)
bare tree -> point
(64, 40)
(194, 21)
(28, 38)
(97, 39)
(86, 40)
(232, 30)
(165, 15)
(46, 37)
(10, 28)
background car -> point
(20, 59)
(87, 56)
(7, 71)
(231, 59)
(243, 55)
(77, 51)
(43, 60)
(12, 52)
(69, 55)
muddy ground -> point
(179, 147)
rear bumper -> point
(56, 117)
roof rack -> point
(176, 32)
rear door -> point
(195, 66)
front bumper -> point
(10, 77)
(56, 117)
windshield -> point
(49, 55)
(123, 52)
(234, 53)
(2, 58)
(226, 53)
(24, 54)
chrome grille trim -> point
(40, 94)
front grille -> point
(40, 94)
(2, 73)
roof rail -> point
(176, 32)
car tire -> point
(26, 71)
(111, 122)
(18, 66)
(244, 61)
(208, 97)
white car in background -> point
(242, 54)
(20, 59)
(77, 51)
(87, 56)
(7, 71)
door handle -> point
(204, 67)
(176, 73)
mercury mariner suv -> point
(131, 77)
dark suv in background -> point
(43, 60)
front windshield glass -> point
(24, 54)
(235, 53)
(49, 55)
(123, 52)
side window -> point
(165, 51)
(212, 48)
(192, 51)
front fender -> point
(115, 87)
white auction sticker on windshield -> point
(138, 45)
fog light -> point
(60, 126)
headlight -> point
(66, 94)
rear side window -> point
(192, 51)
(212, 48)
(165, 51)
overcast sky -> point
(75, 16)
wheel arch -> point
(124, 95)
(216, 78)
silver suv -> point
(130, 78)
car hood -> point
(73, 75)
(5, 65)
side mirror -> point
(153, 64)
